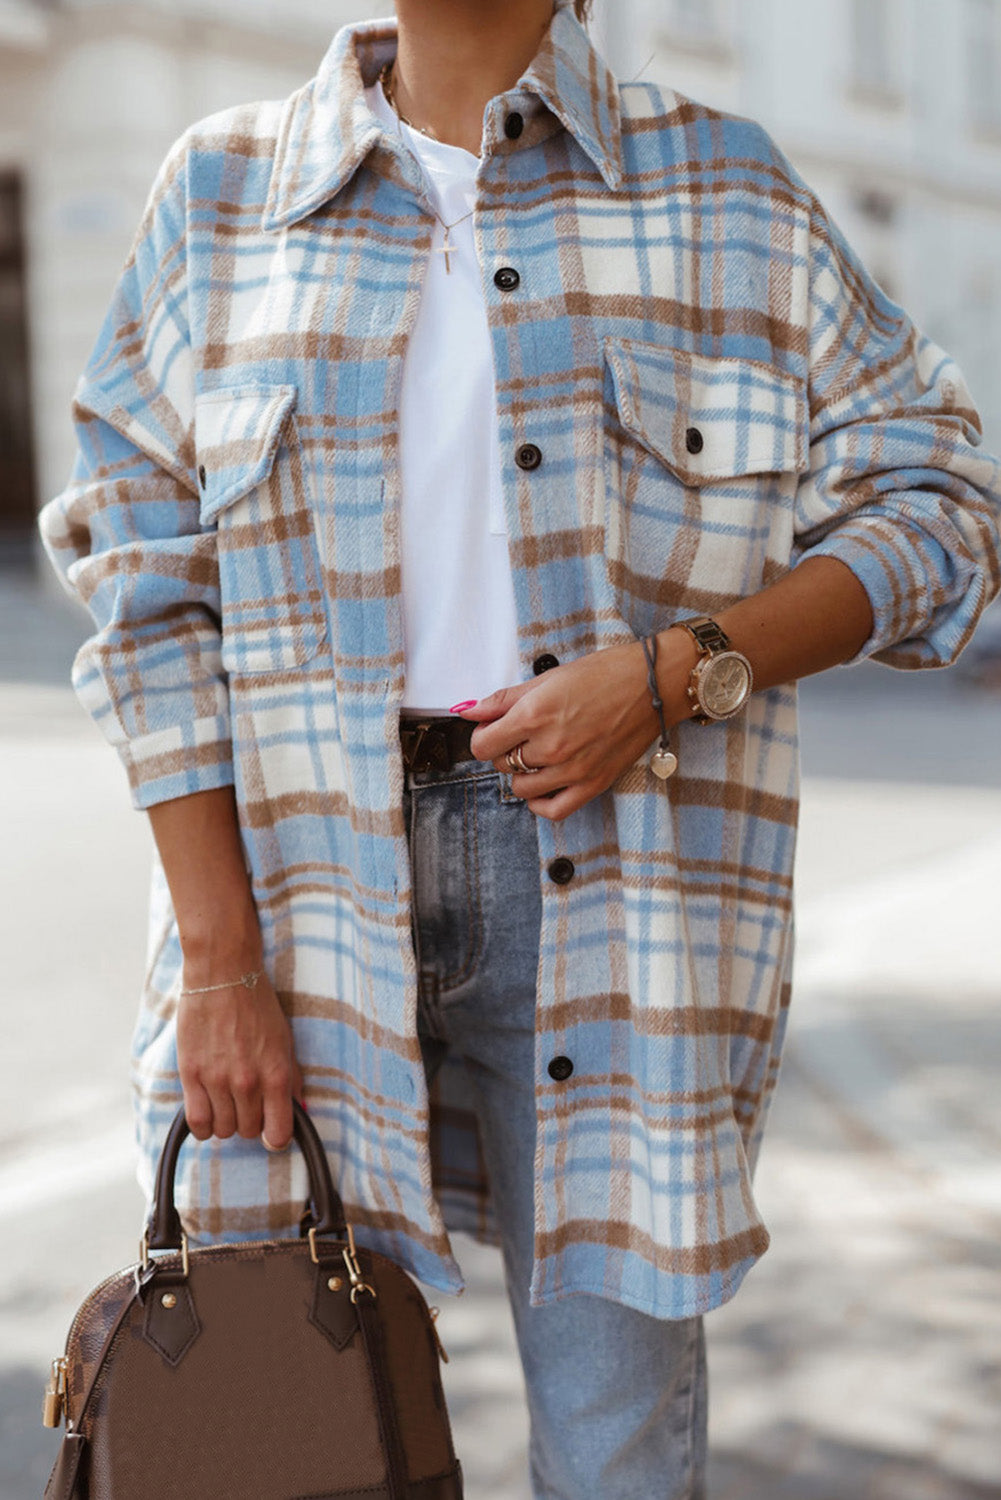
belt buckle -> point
(425, 748)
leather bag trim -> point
(62, 1483)
(397, 1487)
(170, 1332)
(447, 1486)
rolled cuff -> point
(175, 762)
(924, 609)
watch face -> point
(724, 684)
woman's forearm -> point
(198, 838)
(815, 617)
(235, 1052)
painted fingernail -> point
(460, 708)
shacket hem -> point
(669, 1310)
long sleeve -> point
(124, 536)
(899, 488)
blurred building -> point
(890, 108)
(92, 94)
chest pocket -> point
(250, 474)
(702, 463)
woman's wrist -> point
(222, 951)
(677, 654)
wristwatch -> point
(721, 680)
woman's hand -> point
(584, 723)
(237, 1063)
(234, 1046)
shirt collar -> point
(327, 129)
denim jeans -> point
(617, 1399)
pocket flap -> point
(709, 418)
(237, 434)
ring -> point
(516, 762)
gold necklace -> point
(446, 249)
(386, 79)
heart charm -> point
(663, 763)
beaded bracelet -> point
(663, 761)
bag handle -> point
(324, 1210)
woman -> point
(468, 380)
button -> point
(203, 478)
(507, 279)
(514, 125)
(560, 1069)
(694, 441)
(528, 456)
(545, 663)
(562, 871)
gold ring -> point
(516, 762)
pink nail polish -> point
(461, 707)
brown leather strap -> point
(326, 1210)
(63, 1481)
(392, 1443)
(66, 1481)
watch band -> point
(710, 638)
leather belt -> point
(435, 744)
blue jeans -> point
(617, 1399)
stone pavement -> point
(861, 1359)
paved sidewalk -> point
(861, 1359)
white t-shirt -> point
(458, 596)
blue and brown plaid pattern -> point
(232, 523)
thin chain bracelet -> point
(663, 761)
(249, 982)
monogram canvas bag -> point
(287, 1369)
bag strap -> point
(163, 1229)
(65, 1479)
(389, 1427)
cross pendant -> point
(447, 249)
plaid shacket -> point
(233, 525)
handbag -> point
(289, 1369)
